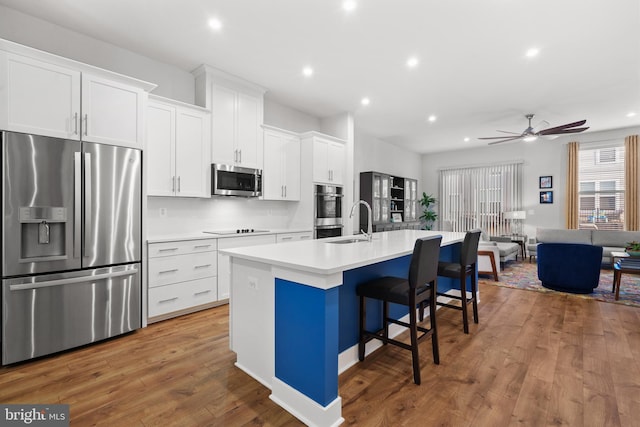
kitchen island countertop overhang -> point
(324, 256)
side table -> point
(618, 269)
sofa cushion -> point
(551, 235)
(613, 238)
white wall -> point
(373, 154)
(541, 157)
(24, 29)
(284, 117)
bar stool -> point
(466, 266)
(416, 290)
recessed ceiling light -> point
(349, 5)
(365, 101)
(631, 114)
(215, 24)
(412, 62)
(466, 139)
(432, 118)
(534, 51)
(307, 71)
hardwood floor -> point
(535, 359)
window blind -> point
(478, 197)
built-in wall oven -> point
(328, 211)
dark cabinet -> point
(393, 201)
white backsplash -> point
(187, 215)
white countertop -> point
(203, 235)
(322, 257)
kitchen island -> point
(294, 312)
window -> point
(601, 190)
(479, 197)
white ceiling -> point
(472, 73)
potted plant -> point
(633, 248)
(428, 214)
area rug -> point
(524, 275)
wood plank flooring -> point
(535, 359)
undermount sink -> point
(345, 241)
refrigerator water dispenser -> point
(42, 233)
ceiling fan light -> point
(530, 138)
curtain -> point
(631, 219)
(478, 197)
(572, 209)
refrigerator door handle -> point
(88, 230)
(77, 206)
(81, 279)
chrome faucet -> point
(369, 232)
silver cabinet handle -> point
(305, 237)
(285, 191)
(195, 294)
(201, 246)
(178, 184)
(167, 250)
(235, 156)
(173, 184)
(75, 123)
(240, 156)
(287, 238)
(86, 124)
(202, 266)
(167, 300)
(173, 270)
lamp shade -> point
(515, 215)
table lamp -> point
(516, 216)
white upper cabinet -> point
(223, 137)
(237, 107)
(38, 97)
(329, 158)
(112, 112)
(178, 141)
(281, 174)
(48, 95)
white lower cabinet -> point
(182, 277)
(293, 237)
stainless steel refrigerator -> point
(71, 244)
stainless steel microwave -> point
(227, 180)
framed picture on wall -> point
(546, 197)
(546, 182)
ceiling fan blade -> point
(504, 140)
(502, 137)
(506, 131)
(562, 127)
(562, 131)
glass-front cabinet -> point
(393, 201)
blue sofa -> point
(569, 267)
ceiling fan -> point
(531, 133)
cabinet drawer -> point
(179, 296)
(180, 268)
(240, 242)
(181, 247)
(292, 237)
